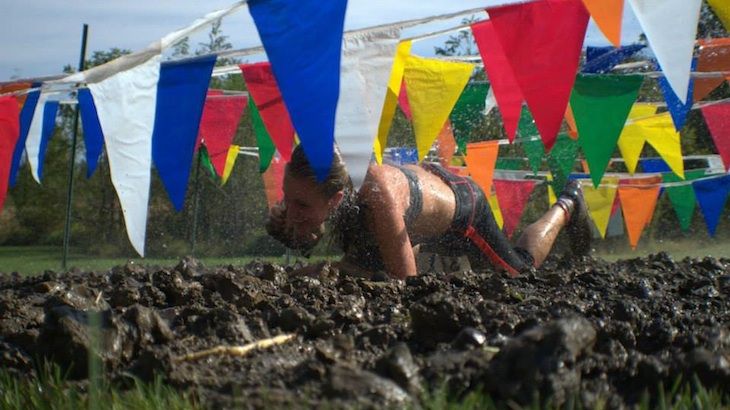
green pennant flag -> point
(467, 112)
(561, 160)
(531, 143)
(682, 196)
(263, 139)
(601, 104)
(511, 164)
(205, 162)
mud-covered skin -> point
(606, 330)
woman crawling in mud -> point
(399, 210)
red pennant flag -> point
(512, 196)
(717, 117)
(267, 97)
(274, 181)
(210, 92)
(9, 133)
(542, 41)
(501, 77)
(218, 125)
(714, 55)
(403, 103)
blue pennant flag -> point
(678, 108)
(712, 195)
(651, 165)
(303, 41)
(601, 60)
(402, 156)
(26, 116)
(93, 136)
(49, 124)
(181, 94)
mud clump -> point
(577, 329)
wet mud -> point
(582, 330)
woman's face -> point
(306, 208)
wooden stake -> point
(238, 351)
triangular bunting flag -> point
(403, 104)
(570, 120)
(600, 60)
(544, 56)
(480, 160)
(654, 165)
(561, 160)
(391, 98)
(712, 195)
(9, 133)
(230, 162)
(717, 117)
(181, 94)
(632, 138)
(661, 135)
(26, 117)
(714, 55)
(273, 181)
(446, 144)
(608, 15)
(367, 59)
(532, 145)
(601, 104)
(682, 196)
(9, 88)
(265, 93)
(600, 201)
(49, 125)
(513, 196)
(263, 139)
(678, 108)
(722, 10)
(637, 203)
(467, 113)
(402, 156)
(35, 135)
(93, 137)
(126, 104)
(433, 88)
(218, 126)
(303, 41)
(496, 211)
(671, 28)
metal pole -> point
(72, 161)
(196, 205)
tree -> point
(460, 44)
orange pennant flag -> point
(638, 199)
(274, 181)
(481, 157)
(570, 119)
(608, 15)
(446, 144)
(714, 55)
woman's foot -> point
(578, 227)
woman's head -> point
(309, 202)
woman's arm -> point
(384, 216)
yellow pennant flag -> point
(663, 136)
(391, 98)
(722, 10)
(434, 86)
(230, 161)
(600, 201)
(632, 138)
(638, 201)
(551, 192)
(496, 211)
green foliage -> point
(460, 44)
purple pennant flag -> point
(49, 125)
(303, 41)
(93, 136)
(181, 94)
(712, 195)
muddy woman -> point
(400, 210)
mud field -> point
(577, 329)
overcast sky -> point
(39, 37)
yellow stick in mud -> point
(236, 350)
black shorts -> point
(474, 231)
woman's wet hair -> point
(337, 180)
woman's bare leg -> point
(538, 238)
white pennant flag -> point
(671, 28)
(126, 104)
(35, 132)
(365, 70)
